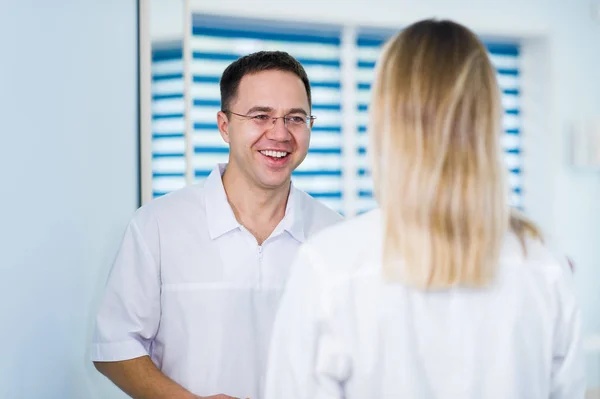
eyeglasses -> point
(292, 123)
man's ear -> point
(223, 125)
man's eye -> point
(297, 119)
(261, 117)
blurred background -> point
(106, 105)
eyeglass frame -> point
(309, 118)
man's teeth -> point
(274, 154)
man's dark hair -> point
(258, 62)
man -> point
(192, 296)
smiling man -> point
(192, 295)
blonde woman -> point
(442, 292)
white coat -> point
(344, 332)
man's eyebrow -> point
(259, 108)
(297, 111)
(262, 108)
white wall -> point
(166, 19)
(68, 182)
(485, 16)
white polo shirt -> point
(342, 331)
(192, 289)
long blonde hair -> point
(435, 127)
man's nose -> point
(279, 131)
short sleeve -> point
(129, 312)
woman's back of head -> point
(437, 158)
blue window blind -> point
(168, 160)
(504, 56)
(368, 48)
(216, 42)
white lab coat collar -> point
(220, 216)
(293, 220)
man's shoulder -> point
(344, 247)
(353, 231)
(316, 214)
(188, 200)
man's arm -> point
(141, 379)
(129, 316)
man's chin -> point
(274, 182)
(276, 185)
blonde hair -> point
(523, 228)
(435, 128)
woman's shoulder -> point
(342, 246)
(534, 256)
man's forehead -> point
(260, 78)
(276, 92)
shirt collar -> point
(221, 219)
(293, 220)
(219, 215)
